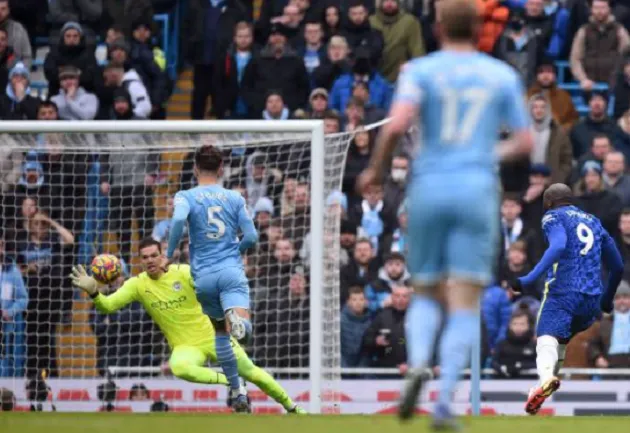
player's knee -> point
(180, 369)
(240, 326)
(546, 342)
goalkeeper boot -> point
(443, 419)
(413, 385)
(297, 410)
(538, 395)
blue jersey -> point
(579, 267)
(215, 217)
(464, 100)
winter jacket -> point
(81, 11)
(380, 289)
(605, 205)
(524, 60)
(403, 41)
(514, 354)
(396, 352)
(266, 72)
(7, 59)
(12, 109)
(494, 16)
(562, 108)
(599, 345)
(496, 311)
(126, 12)
(155, 80)
(582, 135)
(79, 56)
(380, 92)
(19, 40)
(140, 100)
(352, 329)
(621, 187)
(364, 35)
(83, 107)
(16, 299)
(352, 275)
(327, 73)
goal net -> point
(67, 196)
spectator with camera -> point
(384, 340)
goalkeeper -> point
(168, 295)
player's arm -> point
(520, 143)
(125, 295)
(614, 264)
(246, 224)
(178, 222)
(402, 113)
(557, 237)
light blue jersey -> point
(464, 100)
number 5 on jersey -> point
(585, 235)
(215, 222)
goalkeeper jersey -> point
(169, 300)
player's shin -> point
(546, 357)
(422, 324)
(562, 350)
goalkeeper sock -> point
(421, 327)
(264, 381)
(227, 360)
(461, 329)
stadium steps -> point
(76, 344)
(178, 107)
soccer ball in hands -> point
(106, 268)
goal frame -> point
(317, 201)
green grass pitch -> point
(198, 423)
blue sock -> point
(462, 327)
(422, 324)
(248, 331)
(227, 360)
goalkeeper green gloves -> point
(83, 281)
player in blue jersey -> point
(215, 217)
(462, 99)
(574, 296)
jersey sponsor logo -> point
(173, 304)
(177, 286)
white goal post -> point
(312, 130)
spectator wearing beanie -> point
(359, 33)
(7, 58)
(597, 122)
(594, 198)
(318, 102)
(122, 108)
(71, 51)
(278, 67)
(16, 103)
(562, 108)
(402, 34)
(17, 36)
(379, 89)
(73, 102)
(88, 13)
(209, 33)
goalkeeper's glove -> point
(83, 281)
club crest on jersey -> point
(177, 286)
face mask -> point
(399, 174)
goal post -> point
(323, 178)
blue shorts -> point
(566, 314)
(219, 291)
(453, 231)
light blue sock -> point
(462, 328)
(422, 324)
(227, 360)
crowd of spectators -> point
(286, 59)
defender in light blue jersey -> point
(215, 217)
(460, 99)
(574, 295)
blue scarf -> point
(399, 243)
(371, 221)
(620, 335)
(283, 116)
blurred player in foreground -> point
(215, 217)
(574, 297)
(169, 298)
(461, 98)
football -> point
(106, 268)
